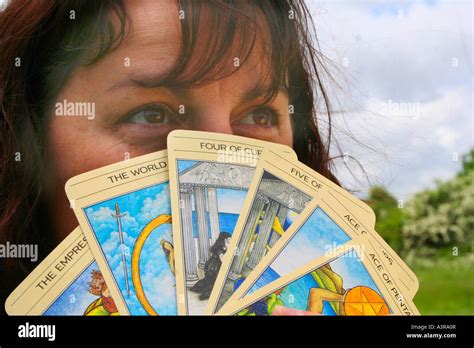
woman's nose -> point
(214, 122)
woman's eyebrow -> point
(261, 90)
(139, 80)
(151, 81)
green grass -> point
(446, 287)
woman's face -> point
(134, 112)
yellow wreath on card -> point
(137, 249)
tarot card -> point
(281, 189)
(124, 211)
(67, 282)
(209, 177)
(348, 283)
(324, 225)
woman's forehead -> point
(154, 30)
(154, 42)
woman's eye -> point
(150, 116)
(260, 117)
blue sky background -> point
(399, 51)
(185, 164)
(352, 270)
(313, 239)
(140, 208)
(75, 299)
(230, 201)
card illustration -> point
(124, 210)
(275, 206)
(134, 234)
(87, 295)
(211, 196)
(317, 236)
(340, 287)
(210, 174)
(316, 186)
(318, 232)
(66, 282)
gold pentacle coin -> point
(362, 300)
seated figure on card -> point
(211, 268)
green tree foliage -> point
(389, 216)
(443, 217)
(467, 163)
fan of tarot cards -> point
(217, 225)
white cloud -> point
(400, 52)
(106, 217)
(411, 152)
(157, 206)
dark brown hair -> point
(50, 45)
